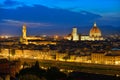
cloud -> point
(69, 0)
(11, 4)
(43, 14)
(10, 22)
(43, 19)
(109, 20)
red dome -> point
(95, 31)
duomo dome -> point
(94, 35)
(95, 31)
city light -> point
(59, 40)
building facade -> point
(24, 39)
(94, 34)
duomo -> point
(95, 34)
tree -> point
(30, 77)
(36, 65)
(12, 52)
(54, 73)
(34, 70)
(25, 64)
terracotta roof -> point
(95, 30)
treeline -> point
(53, 73)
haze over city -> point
(58, 17)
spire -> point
(95, 24)
(24, 25)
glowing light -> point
(56, 36)
(117, 62)
(5, 36)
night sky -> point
(57, 17)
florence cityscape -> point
(59, 40)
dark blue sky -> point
(59, 16)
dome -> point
(95, 31)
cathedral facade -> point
(94, 34)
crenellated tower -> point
(24, 32)
(23, 38)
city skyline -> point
(59, 39)
(58, 17)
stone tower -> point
(24, 31)
(75, 36)
(23, 38)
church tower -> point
(75, 36)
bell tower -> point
(24, 31)
(75, 36)
(23, 38)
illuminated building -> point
(117, 60)
(115, 50)
(105, 58)
(24, 31)
(109, 59)
(24, 39)
(4, 37)
(61, 56)
(97, 57)
(85, 37)
(94, 34)
(75, 36)
(83, 59)
(51, 54)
